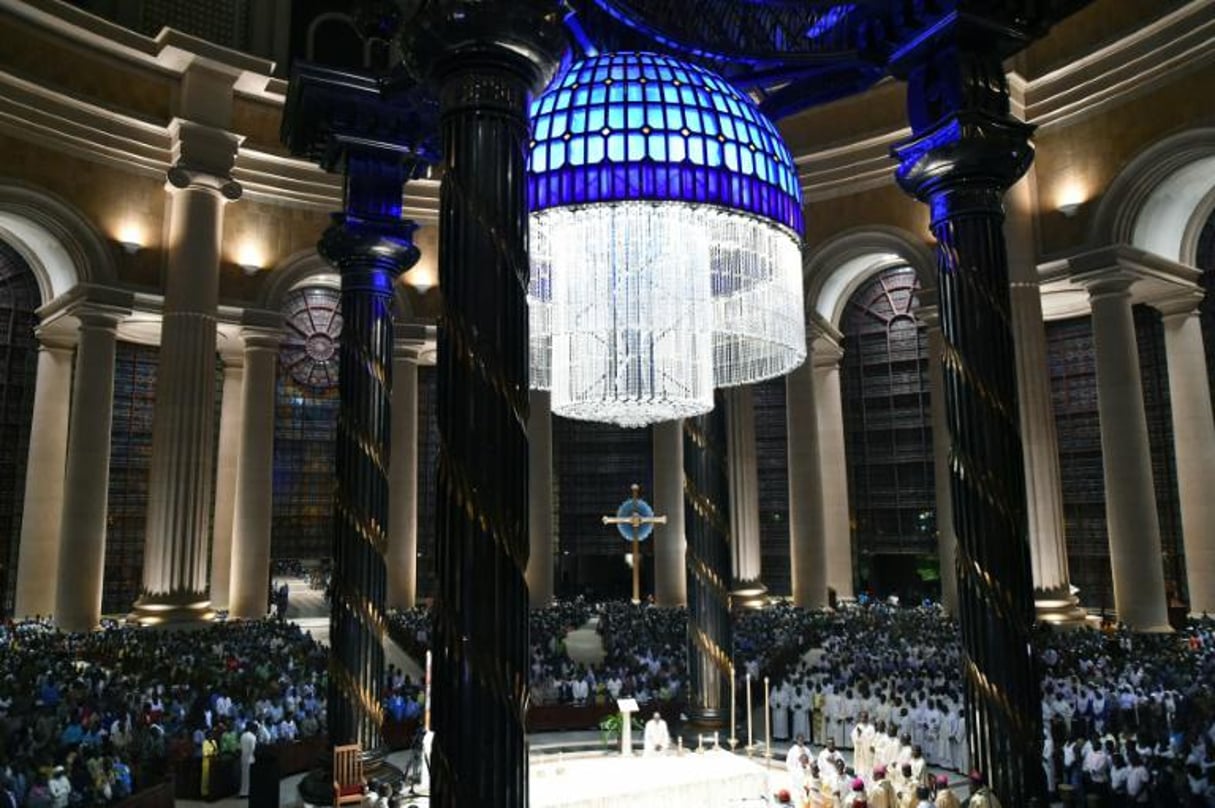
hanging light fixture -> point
(665, 241)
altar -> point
(690, 780)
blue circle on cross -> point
(635, 510)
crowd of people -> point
(1127, 717)
(86, 719)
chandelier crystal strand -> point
(757, 299)
(539, 309)
(632, 315)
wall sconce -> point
(130, 238)
(250, 258)
(251, 269)
(1069, 209)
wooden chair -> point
(347, 775)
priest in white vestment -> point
(657, 737)
(780, 712)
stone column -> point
(230, 430)
(966, 150)
(401, 557)
(486, 61)
(540, 499)
(175, 573)
(371, 246)
(744, 485)
(38, 554)
(670, 540)
(1194, 447)
(87, 478)
(1054, 601)
(1130, 497)
(807, 548)
(253, 507)
(947, 539)
(707, 515)
(833, 466)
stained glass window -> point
(593, 467)
(772, 454)
(1072, 359)
(305, 426)
(888, 431)
(1206, 262)
(130, 461)
(19, 297)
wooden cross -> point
(635, 520)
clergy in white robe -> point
(793, 759)
(780, 712)
(801, 712)
(248, 743)
(863, 736)
(657, 736)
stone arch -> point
(1160, 201)
(61, 246)
(307, 266)
(836, 269)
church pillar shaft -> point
(1194, 444)
(744, 482)
(87, 477)
(1130, 495)
(707, 521)
(486, 62)
(226, 461)
(807, 549)
(370, 245)
(1053, 598)
(833, 470)
(540, 499)
(947, 539)
(250, 559)
(670, 542)
(402, 554)
(175, 571)
(966, 150)
(38, 557)
(481, 664)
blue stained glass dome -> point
(643, 126)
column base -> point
(178, 611)
(1059, 610)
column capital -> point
(257, 338)
(825, 352)
(1180, 306)
(55, 339)
(203, 157)
(416, 342)
(352, 244)
(523, 36)
(1106, 283)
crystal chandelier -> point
(665, 241)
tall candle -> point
(750, 739)
(767, 724)
(427, 696)
(733, 709)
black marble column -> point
(965, 152)
(370, 245)
(486, 60)
(708, 559)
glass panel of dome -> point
(594, 149)
(596, 119)
(674, 118)
(615, 147)
(615, 117)
(636, 117)
(636, 146)
(676, 148)
(557, 154)
(658, 147)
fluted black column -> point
(486, 60)
(370, 245)
(966, 151)
(707, 524)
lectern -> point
(627, 708)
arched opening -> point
(888, 436)
(19, 299)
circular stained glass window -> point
(314, 329)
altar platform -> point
(691, 780)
